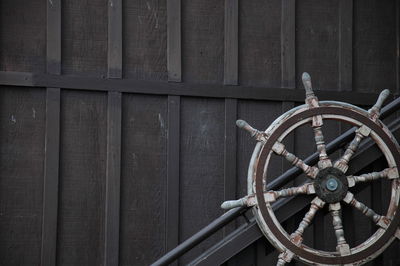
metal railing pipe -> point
(283, 179)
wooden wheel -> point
(328, 181)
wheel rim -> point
(267, 220)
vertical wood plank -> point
(231, 42)
(52, 138)
(172, 212)
(397, 47)
(113, 177)
(51, 175)
(230, 167)
(345, 44)
(288, 49)
(114, 39)
(53, 51)
(174, 62)
(113, 170)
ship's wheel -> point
(328, 181)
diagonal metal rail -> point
(280, 181)
(248, 233)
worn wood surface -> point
(22, 143)
(231, 42)
(181, 154)
(178, 89)
(375, 45)
(51, 177)
(23, 36)
(113, 180)
(202, 168)
(259, 65)
(84, 37)
(317, 43)
(345, 45)
(83, 158)
(114, 51)
(145, 39)
(143, 179)
(288, 44)
(203, 41)
(173, 173)
(174, 39)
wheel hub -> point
(331, 185)
(328, 180)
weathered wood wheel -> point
(327, 181)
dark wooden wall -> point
(118, 138)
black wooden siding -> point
(103, 161)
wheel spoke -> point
(376, 218)
(307, 188)
(316, 204)
(343, 162)
(269, 196)
(324, 160)
(312, 102)
(342, 246)
(284, 257)
(280, 149)
(390, 173)
(254, 133)
(374, 112)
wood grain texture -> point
(113, 178)
(51, 177)
(53, 37)
(22, 145)
(174, 50)
(145, 39)
(52, 141)
(179, 89)
(398, 47)
(173, 179)
(231, 42)
(143, 179)
(288, 44)
(82, 178)
(114, 49)
(260, 43)
(23, 36)
(374, 45)
(317, 43)
(201, 169)
(84, 37)
(203, 41)
(346, 45)
(230, 145)
(230, 155)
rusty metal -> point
(328, 181)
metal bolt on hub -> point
(331, 184)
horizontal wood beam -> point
(179, 89)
